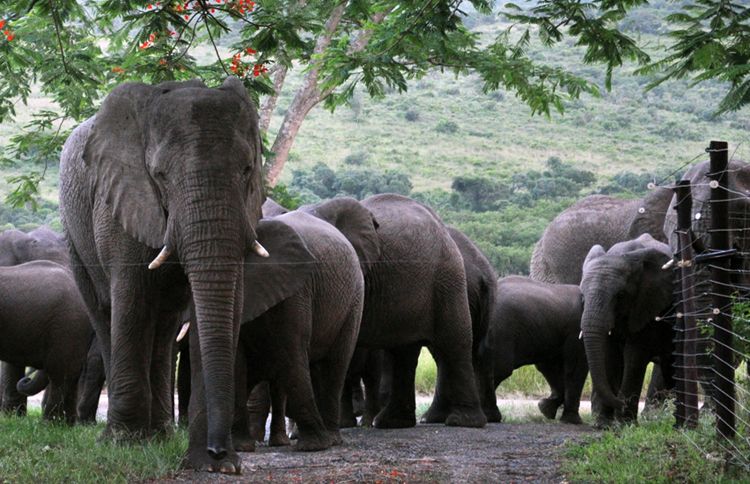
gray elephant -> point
(625, 289)
(738, 184)
(415, 295)
(44, 324)
(481, 286)
(160, 193)
(17, 247)
(595, 220)
(300, 329)
(535, 323)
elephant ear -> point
(268, 281)
(651, 214)
(355, 222)
(115, 154)
(271, 208)
(653, 287)
(594, 253)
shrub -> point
(356, 158)
(411, 115)
(448, 127)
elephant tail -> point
(33, 383)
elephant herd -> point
(162, 202)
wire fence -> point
(712, 317)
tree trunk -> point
(309, 95)
(266, 111)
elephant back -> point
(597, 219)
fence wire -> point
(712, 361)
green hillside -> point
(445, 127)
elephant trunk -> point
(32, 384)
(595, 325)
(212, 246)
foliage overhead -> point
(76, 51)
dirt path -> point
(427, 453)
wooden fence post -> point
(724, 392)
(686, 411)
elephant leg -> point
(183, 385)
(554, 373)
(484, 378)
(604, 414)
(576, 369)
(303, 407)
(162, 374)
(656, 393)
(12, 402)
(347, 418)
(453, 348)
(634, 372)
(91, 383)
(241, 438)
(258, 407)
(330, 376)
(440, 407)
(278, 436)
(371, 377)
(400, 410)
(196, 456)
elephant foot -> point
(199, 460)
(257, 432)
(603, 423)
(279, 439)
(243, 443)
(335, 437)
(366, 420)
(313, 442)
(347, 421)
(571, 418)
(466, 417)
(493, 414)
(17, 410)
(435, 414)
(118, 434)
(548, 407)
(391, 420)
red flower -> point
(118, 70)
(149, 7)
(2, 23)
(250, 51)
(187, 17)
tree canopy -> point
(76, 51)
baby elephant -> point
(537, 323)
(301, 318)
(44, 324)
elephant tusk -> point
(580, 335)
(668, 265)
(259, 249)
(183, 331)
(159, 260)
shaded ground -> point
(427, 453)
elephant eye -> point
(247, 170)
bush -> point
(447, 127)
(356, 158)
(411, 115)
(322, 182)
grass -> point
(524, 382)
(652, 452)
(32, 450)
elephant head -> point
(738, 184)
(284, 273)
(271, 208)
(179, 166)
(17, 247)
(623, 289)
(355, 222)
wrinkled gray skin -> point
(595, 220)
(42, 324)
(481, 286)
(738, 181)
(175, 165)
(535, 323)
(17, 247)
(415, 295)
(300, 329)
(624, 289)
